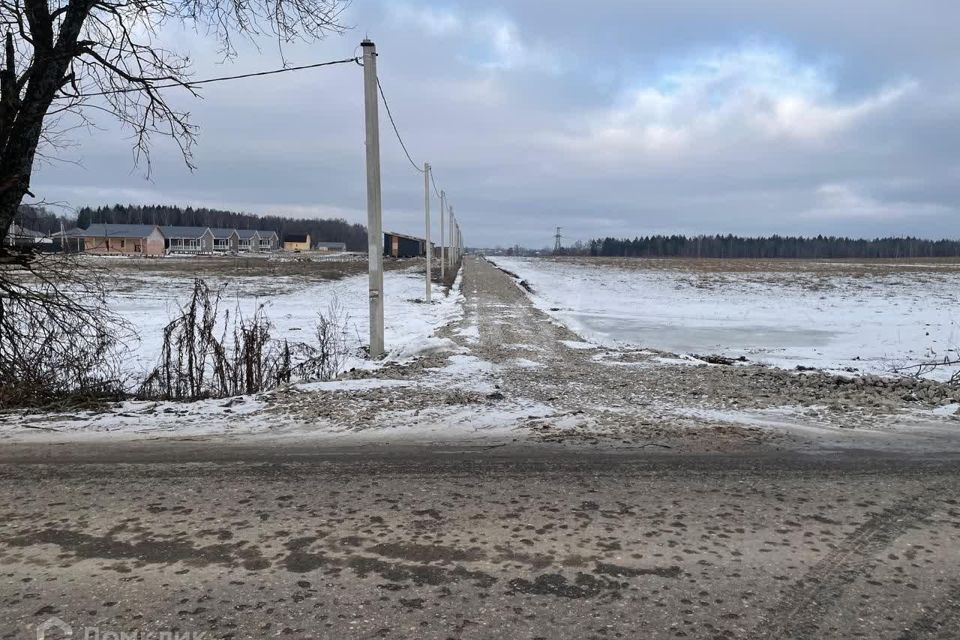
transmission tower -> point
(558, 245)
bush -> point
(205, 355)
(58, 343)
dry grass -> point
(243, 267)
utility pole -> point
(443, 250)
(453, 263)
(426, 208)
(374, 203)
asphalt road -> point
(448, 543)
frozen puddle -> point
(691, 338)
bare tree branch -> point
(64, 57)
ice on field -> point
(827, 321)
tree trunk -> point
(51, 60)
(16, 161)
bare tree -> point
(58, 343)
(63, 57)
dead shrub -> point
(58, 341)
(205, 354)
(325, 360)
(921, 370)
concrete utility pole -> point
(374, 204)
(443, 251)
(426, 209)
(453, 263)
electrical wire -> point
(434, 182)
(395, 130)
(257, 74)
(195, 83)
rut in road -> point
(800, 611)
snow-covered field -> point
(840, 317)
(149, 301)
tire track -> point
(939, 622)
(801, 608)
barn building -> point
(398, 245)
(331, 247)
(296, 242)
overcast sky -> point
(613, 118)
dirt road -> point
(444, 544)
(590, 517)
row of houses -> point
(158, 240)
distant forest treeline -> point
(42, 220)
(320, 230)
(325, 230)
(766, 247)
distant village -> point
(147, 240)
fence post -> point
(428, 250)
(374, 203)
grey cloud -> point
(537, 114)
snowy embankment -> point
(150, 301)
(292, 307)
(829, 320)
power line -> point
(257, 74)
(395, 130)
(195, 83)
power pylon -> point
(558, 245)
